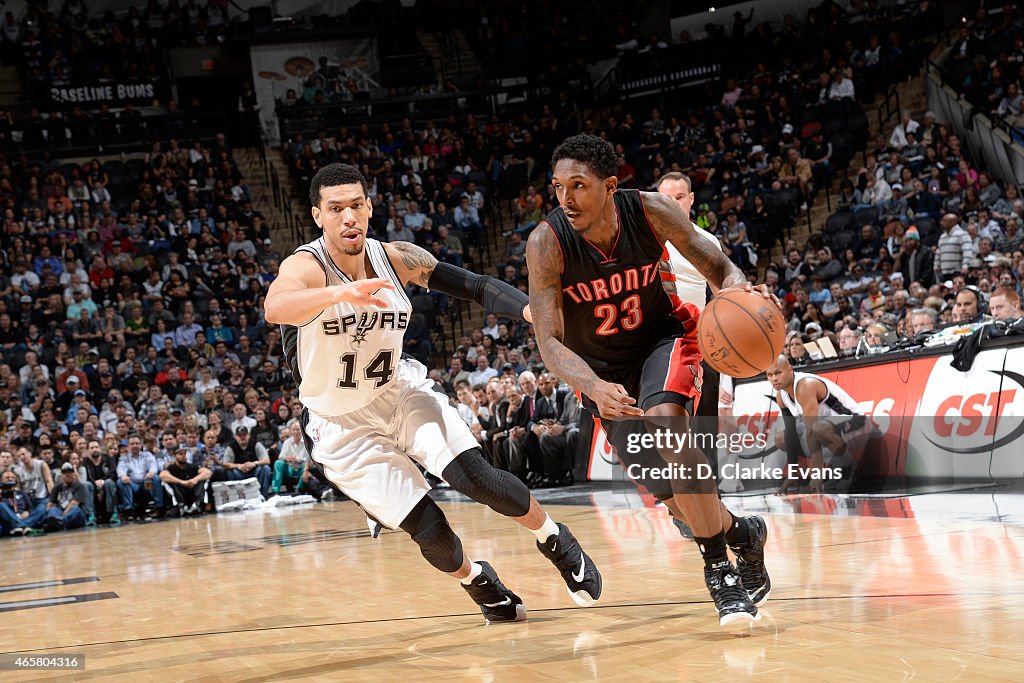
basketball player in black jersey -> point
(606, 326)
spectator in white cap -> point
(895, 208)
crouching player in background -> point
(818, 420)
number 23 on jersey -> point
(628, 315)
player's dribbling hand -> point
(361, 292)
(613, 402)
(761, 289)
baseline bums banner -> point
(111, 94)
(327, 66)
(926, 420)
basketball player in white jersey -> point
(685, 285)
(371, 415)
(828, 421)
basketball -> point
(741, 333)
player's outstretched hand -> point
(613, 402)
(527, 316)
(759, 289)
(361, 292)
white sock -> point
(546, 530)
(474, 571)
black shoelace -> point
(491, 593)
(724, 593)
(750, 574)
(566, 559)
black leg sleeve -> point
(470, 475)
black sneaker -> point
(496, 602)
(684, 529)
(582, 579)
(731, 601)
(750, 561)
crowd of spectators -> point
(68, 47)
(923, 244)
(133, 341)
(985, 60)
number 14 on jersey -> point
(380, 369)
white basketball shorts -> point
(854, 438)
(369, 453)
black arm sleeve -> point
(792, 437)
(503, 300)
(289, 345)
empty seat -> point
(926, 226)
(809, 129)
(839, 241)
(841, 220)
(867, 216)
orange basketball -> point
(741, 333)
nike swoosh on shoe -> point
(583, 566)
(506, 601)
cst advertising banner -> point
(929, 420)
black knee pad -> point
(428, 527)
(503, 492)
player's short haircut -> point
(335, 174)
(597, 154)
(1008, 293)
(676, 175)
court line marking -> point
(258, 629)
(214, 560)
(54, 601)
(47, 584)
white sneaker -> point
(374, 526)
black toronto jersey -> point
(614, 305)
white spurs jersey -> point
(691, 286)
(837, 403)
(347, 355)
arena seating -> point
(139, 241)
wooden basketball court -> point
(863, 590)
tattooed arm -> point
(672, 225)
(545, 260)
(418, 266)
(412, 264)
